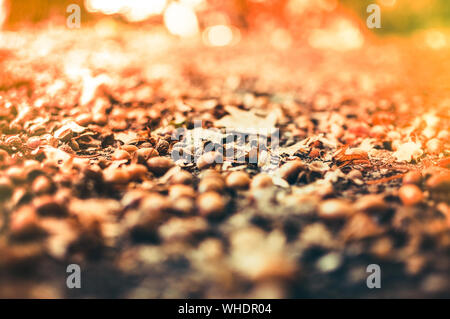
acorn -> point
(6, 188)
(177, 191)
(183, 177)
(412, 177)
(119, 175)
(238, 180)
(42, 185)
(410, 194)
(335, 209)
(136, 171)
(162, 147)
(211, 184)
(210, 204)
(143, 154)
(159, 165)
(261, 181)
(120, 154)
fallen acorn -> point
(210, 173)
(183, 205)
(182, 229)
(159, 165)
(83, 119)
(439, 182)
(143, 154)
(211, 184)
(162, 147)
(210, 204)
(119, 175)
(42, 185)
(335, 209)
(410, 194)
(178, 191)
(370, 203)
(261, 181)
(131, 149)
(24, 223)
(6, 188)
(46, 205)
(412, 177)
(354, 174)
(360, 226)
(120, 154)
(183, 177)
(136, 171)
(238, 180)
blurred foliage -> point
(405, 16)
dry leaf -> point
(246, 121)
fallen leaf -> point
(408, 151)
(246, 121)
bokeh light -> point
(220, 35)
(181, 20)
(3, 12)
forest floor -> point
(359, 176)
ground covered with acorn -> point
(86, 175)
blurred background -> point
(186, 17)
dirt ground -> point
(87, 121)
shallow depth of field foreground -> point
(349, 165)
